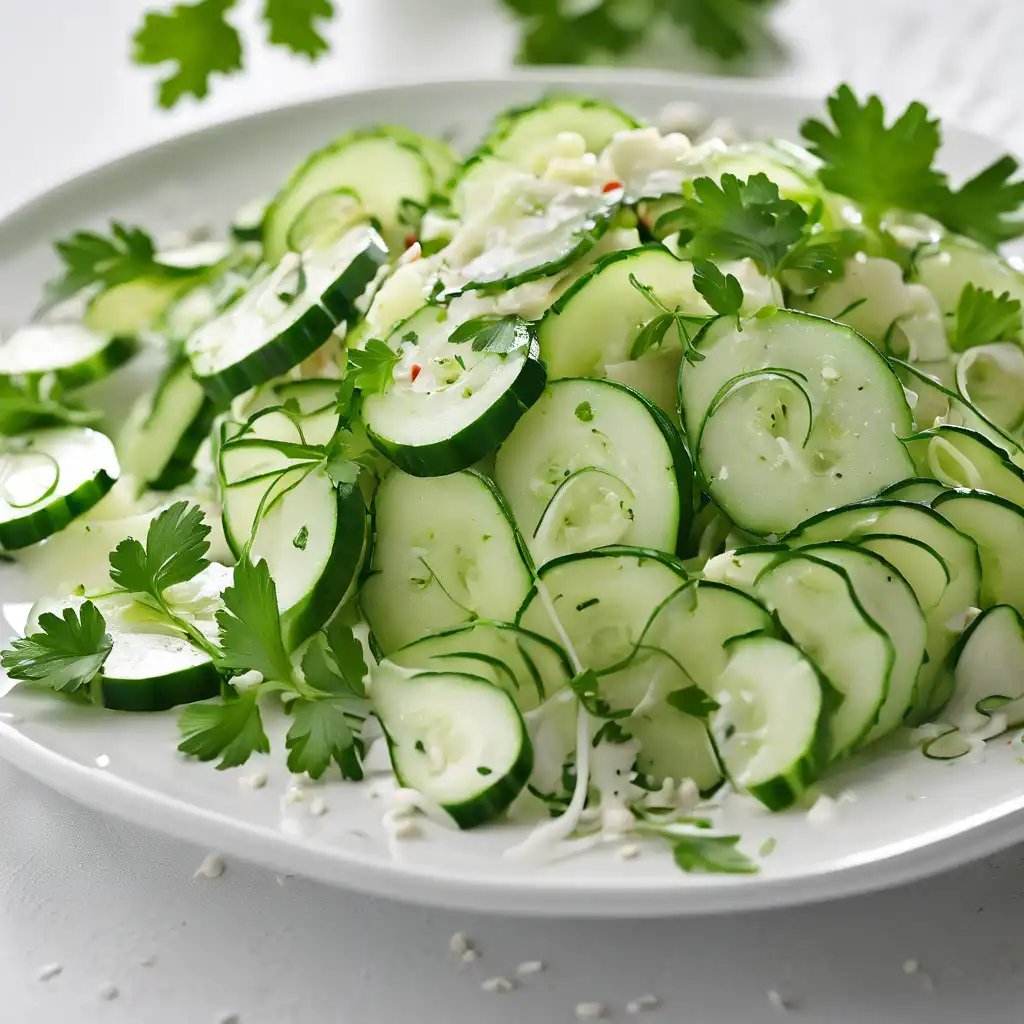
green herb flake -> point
(584, 412)
(300, 539)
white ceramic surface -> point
(908, 817)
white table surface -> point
(101, 898)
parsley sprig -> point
(697, 853)
(886, 167)
(493, 333)
(982, 317)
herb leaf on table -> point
(293, 24)
(982, 317)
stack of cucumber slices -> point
(604, 444)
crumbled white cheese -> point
(628, 852)
(49, 972)
(529, 967)
(497, 986)
(212, 867)
(102, 761)
(590, 1011)
(459, 943)
(648, 1002)
(470, 956)
(318, 807)
(682, 116)
(823, 811)
(406, 829)
(255, 781)
(293, 795)
(688, 795)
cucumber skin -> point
(201, 682)
(340, 298)
(351, 546)
(29, 530)
(179, 469)
(293, 345)
(475, 441)
(116, 353)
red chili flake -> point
(415, 372)
(410, 241)
(612, 186)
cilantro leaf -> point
(293, 24)
(67, 653)
(722, 292)
(982, 207)
(250, 624)
(90, 258)
(651, 335)
(736, 220)
(982, 317)
(371, 369)
(320, 734)
(692, 700)
(231, 730)
(879, 166)
(722, 27)
(333, 664)
(175, 551)
(554, 35)
(653, 332)
(198, 38)
(493, 333)
(697, 854)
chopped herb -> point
(589, 603)
(692, 701)
(460, 361)
(703, 854)
(493, 333)
(372, 368)
(481, 770)
(411, 338)
(300, 539)
(767, 847)
(611, 732)
(419, 747)
(587, 687)
(982, 317)
(584, 412)
(722, 292)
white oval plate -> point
(898, 815)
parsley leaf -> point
(293, 24)
(371, 369)
(587, 687)
(692, 700)
(231, 730)
(320, 734)
(175, 551)
(722, 292)
(654, 331)
(983, 317)
(250, 624)
(651, 335)
(706, 855)
(23, 406)
(198, 38)
(90, 258)
(736, 220)
(879, 166)
(493, 333)
(983, 206)
(722, 27)
(66, 654)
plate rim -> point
(927, 853)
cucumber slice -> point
(285, 316)
(889, 599)
(50, 477)
(312, 397)
(325, 219)
(770, 720)
(313, 536)
(445, 552)
(523, 663)
(165, 429)
(457, 739)
(380, 169)
(674, 746)
(603, 599)
(917, 490)
(592, 464)
(525, 134)
(947, 266)
(72, 353)
(595, 323)
(958, 457)
(924, 569)
(476, 182)
(992, 378)
(447, 406)
(438, 154)
(958, 553)
(655, 376)
(534, 228)
(129, 309)
(789, 414)
(997, 527)
(247, 223)
(154, 672)
(987, 674)
(817, 605)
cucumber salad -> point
(576, 482)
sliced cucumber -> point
(476, 182)
(592, 464)
(526, 664)
(154, 672)
(457, 739)
(655, 376)
(819, 608)
(674, 745)
(603, 599)
(992, 378)
(869, 521)
(534, 228)
(380, 169)
(72, 353)
(947, 266)
(285, 316)
(448, 405)
(997, 527)
(438, 154)
(958, 457)
(50, 477)
(889, 599)
(325, 219)
(129, 309)
(159, 440)
(987, 674)
(790, 414)
(525, 134)
(919, 564)
(247, 223)
(445, 552)
(917, 490)
(768, 728)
